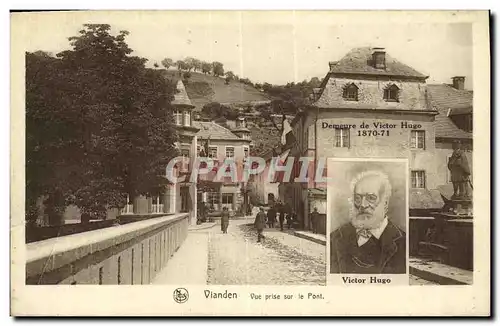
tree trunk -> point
(85, 218)
(54, 208)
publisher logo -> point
(181, 295)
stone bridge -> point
(133, 253)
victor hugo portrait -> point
(368, 216)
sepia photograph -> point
(368, 216)
(248, 162)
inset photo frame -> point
(367, 220)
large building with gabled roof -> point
(221, 143)
(367, 86)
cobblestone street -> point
(280, 259)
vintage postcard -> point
(250, 163)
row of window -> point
(391, 93)
(213, 151)
(182, 118)
(214, 198)
(342, 138)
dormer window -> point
(178, 117)
(187, 118)
(351, 92)
(391, 94)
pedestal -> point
(142, 205)
(459, 207)
(169, 199)
(448, 236)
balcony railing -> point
(157, 208)
(128, 209)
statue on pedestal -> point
(460, 172)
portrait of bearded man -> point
(370, 243)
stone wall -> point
(126, 254)
(396, 145)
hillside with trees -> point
(204, 88)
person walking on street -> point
(260, 223)
(290, 216)
(203, 212)
(289, 220)
(271, 217)
(314, 220)
(224, 221)
(281, 211)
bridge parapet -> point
(125, 254)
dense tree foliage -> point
(214, 110)
(197, 64)
(192, 64)
(167, 63)
(289, 98)
(206, 67)
(186, 77)
(189, 63)
(98, 125)
(217, 69)
(181, 65)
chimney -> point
(458, 82)
(378, 58)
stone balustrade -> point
(124, 254)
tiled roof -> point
(231, 124)
(241, 129)
(459, 111)
(445, 98)
(181, 97)
(214, 130)
(359, 61)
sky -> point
(274, 47)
